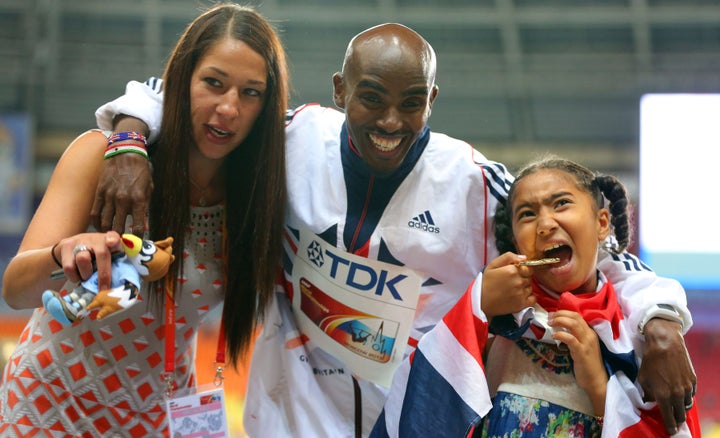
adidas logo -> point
(424, 222)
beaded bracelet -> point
(121, 136)
(114, 150)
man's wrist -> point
(126, 123)
(667, 312)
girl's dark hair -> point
(600, 187)
(255, 188)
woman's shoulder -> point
(91, 137)
(96, 133)
(86, 149)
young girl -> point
(563, 363)
(548, 368)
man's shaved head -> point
(390, 40)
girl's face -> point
(227, 93)
(553, 217)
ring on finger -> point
(79, 248)
(689, 405)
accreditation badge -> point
(199, 414)
(357, 309)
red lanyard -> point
(170, 343)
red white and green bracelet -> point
(124, 142)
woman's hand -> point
(81, 254)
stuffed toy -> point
(140, 260)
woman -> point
(219, 191)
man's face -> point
(387, 96)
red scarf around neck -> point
(593, 306)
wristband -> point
(114, 150)
(662, 311)
(122, 136)
(115, 147)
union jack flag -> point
(441, 390)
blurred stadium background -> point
(516, 77)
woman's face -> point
(227, 93)
(553, 217)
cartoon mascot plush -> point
(142, 260)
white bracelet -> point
(662, 311)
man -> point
(376, 201)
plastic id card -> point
(200, 414)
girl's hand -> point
(584, 345)
(506, 287)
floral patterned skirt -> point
(514, 415)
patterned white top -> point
(104, 377)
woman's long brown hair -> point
(255, 191)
